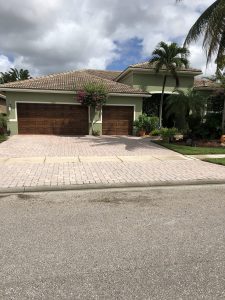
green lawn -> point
(188, 150)
(218, 161)
(2, 138)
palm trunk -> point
(161, 101)
(223, 119)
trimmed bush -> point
(155, 132)
(154, 123)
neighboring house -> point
(206, 86)
(2, 104)
(48, 105)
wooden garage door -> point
(117, 120)
(57, 119)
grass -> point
(188, 150)
(3, 138)
(218, 161)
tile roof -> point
(73, 81)
(201, 83)
(111, 75)
(146, 65)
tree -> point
(168, 57)
(186, 108)
(95, 96)
(211, 24)
(13, 75)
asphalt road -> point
(121, 244)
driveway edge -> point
(78, 187)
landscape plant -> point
(168, 134)
(14, 75)
(142, 124)
(168, 58)
(210, 25)
(93, 95)
(3, 124)
(187, 108)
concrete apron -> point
(88, 159)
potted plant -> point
(142, 124)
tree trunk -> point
(223, 119)
(161, 101)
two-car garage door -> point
(56, 119)
(63, 119)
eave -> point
(152, 71)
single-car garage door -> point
(58, 119)
(117, 120)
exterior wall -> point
(95, 118)
(128, 79)
(14, 97)
(153, 82)
(2, 106)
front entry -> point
(117, 120)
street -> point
(146, 243)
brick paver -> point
(40, 145)
(53, 172)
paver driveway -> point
(50, 146)
(30, 161)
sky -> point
(48, 36)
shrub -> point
(155, 132)
(143, 123)
(3, 124)
(154, 123)
(168, 133)
(95, 132)
(94, 95)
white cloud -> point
(5, 64)
(54, 35)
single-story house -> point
(48, 104)
(2, 104)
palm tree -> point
(211, 24)
(14, 75)
(183, 104)
(168, 57)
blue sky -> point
(129, 52)
(53, 36)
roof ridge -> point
(102, 70)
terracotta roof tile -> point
(111, 75)
(206, 84)
(146, 65)
(72, 81)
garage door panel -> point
(117, 120)
(55, 119)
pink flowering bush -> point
(94, 95)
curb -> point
(91, 186)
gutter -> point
(130, 95)
(37, 91)
(68, 92)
